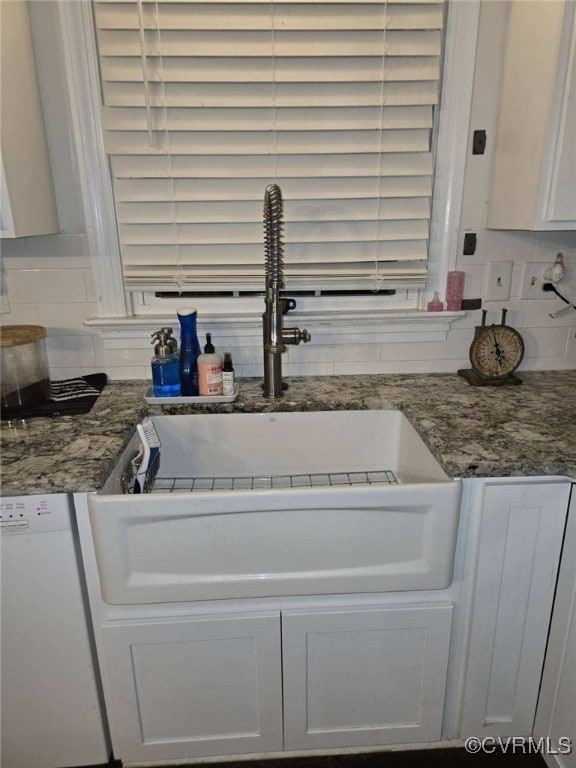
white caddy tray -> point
(197, 400)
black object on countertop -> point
(70, 397)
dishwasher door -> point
(51, 713)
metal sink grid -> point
(277, 482)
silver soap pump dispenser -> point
(165, 364)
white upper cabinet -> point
(534, 174)
(27, 203)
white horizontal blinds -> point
(332, 100)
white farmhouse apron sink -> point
(264, 505)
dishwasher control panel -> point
(34, 514)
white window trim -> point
(115, 310)
(347, 327)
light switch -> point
(498, 279)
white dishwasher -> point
(51, 710)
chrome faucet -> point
(275, 335)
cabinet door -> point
(534, 160)
(192, 687)
(562, 201)
(27, 203)
(556, 715)
(521, 533)
(364, 676)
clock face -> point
(496, 351)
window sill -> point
(343, 327)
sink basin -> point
(262, 505)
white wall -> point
(48, 280)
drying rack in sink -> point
(324, 479)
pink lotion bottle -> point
(435, 305)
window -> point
(204, 103)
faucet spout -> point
(275, 335)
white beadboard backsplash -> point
(48, 281)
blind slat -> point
(165, 256)
(293, 44)
(204, 190)
(241, 95)
(304, 232)
(286, 16)
(264, 119)
(293, 166)
(252, 143)
(192, 3)
(257, 69)
(300, 211)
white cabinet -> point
(195, 686)
(520, 538)
(533, 185)
(27, 203)
(213, 685)
(556, 715)
(231, 677)
(364, 676)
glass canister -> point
(24, 375)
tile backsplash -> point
(48, 281)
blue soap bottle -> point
(165, 364)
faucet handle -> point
(295, 336)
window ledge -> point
(347, 326)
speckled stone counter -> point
(472, 431)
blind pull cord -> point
(178, 276)
(274, 90)
(145, 76)
(378, 279)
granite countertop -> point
(472, 431)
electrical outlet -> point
(533, 280)
(498, 280)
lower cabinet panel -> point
(195, 687)
(521, 532)
(214, 685)
(364, 676)
(556, 713)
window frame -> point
(115, 303)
